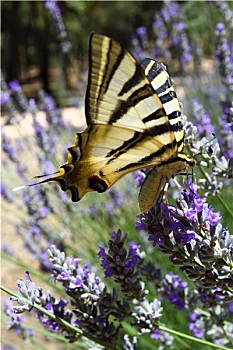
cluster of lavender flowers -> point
(169, 28)
(36, 200)
(216, 150)
(96, 311)
(193, 237)
(170, 23)
(13, 101)
(190, 232)
(225, 10)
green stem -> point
(189, 337)
(182, 336)
(225, 205)
(62, 322)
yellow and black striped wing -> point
(163, 86)
(120, 94)
(131, 124)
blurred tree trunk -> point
(42, 40)
(11, 56)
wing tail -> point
(50, 179)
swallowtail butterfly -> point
(133, 121)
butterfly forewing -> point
(163, 86)
(118, 90)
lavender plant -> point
(168, 281)
(171, 40)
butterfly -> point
(133, 122)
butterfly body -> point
(133, 122)
(157, 179)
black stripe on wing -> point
(123, 106)
(168, 97)
(155, 70)
(163, 86)
(105, 73)
(127, 145)
(110, 68)
(159, 113)
(135, 80)
(145, 160)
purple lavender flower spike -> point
(105, 263)
(19, 96)
(17, 321)
(6, 194)
(147, 315)
(203, 120)
(91, 301)
(7, 103)
(225, 10)
(139, 176)
(189, 234)
(59, 26)
(170, 23)
(175, 290)
(224, 57)
(56, 307)
(28, 291)
(120, 264)
(165, 339)
(197, 324)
